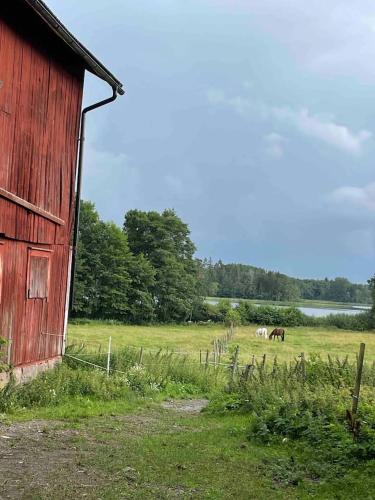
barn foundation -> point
(24, 373)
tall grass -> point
(161, 374)
(306, 402)
(158, 371)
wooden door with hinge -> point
(39, 261)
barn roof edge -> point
(91, 62)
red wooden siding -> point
(38, 274)
(41, 83)
(40, 102)
(1, 270)
(33, 325)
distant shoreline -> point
(319, 304)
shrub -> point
(307, 407)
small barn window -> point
(38, 274)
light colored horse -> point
(262, 332)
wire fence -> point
(216, 356)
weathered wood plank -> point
(29, 206)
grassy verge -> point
(76, 389)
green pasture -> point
(188, 338)
(310, 340)
(193, 338)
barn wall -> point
(34, 326)
(40, 101)
(41, 85)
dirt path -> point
(188, 406)
(48, 459)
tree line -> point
(249, 282)
(142, 273)
(146, 272)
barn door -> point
(37, 293)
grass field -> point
(179, 337)
(192, 338)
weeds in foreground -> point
(305, 404)
(161, 374)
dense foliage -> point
(142, 273)
(163, 241)
(249, 282)
(247, 313)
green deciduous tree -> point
(164, 241)
(111, 282)
(103, 264)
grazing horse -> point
(277, 332)
(262, 332)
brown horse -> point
(277, 332)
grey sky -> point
(255, 120)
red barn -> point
(42, 68)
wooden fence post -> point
(303, 367)
(140, 356)
(247, 372)
(109, 355)
(274, 368)
(354, 424)
(235, 361)
(357, 387)
(207, 356)
(200, 356)
(264, 361)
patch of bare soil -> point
(45, 459)
(32, 453)
(189, 406)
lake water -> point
(317, 312)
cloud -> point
(335, 37)
(311, 125)
(274, 145)
(362, 197)
(326, 130)
(240, 105)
